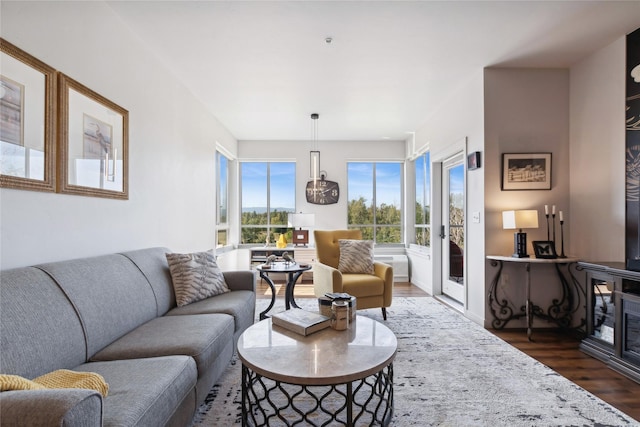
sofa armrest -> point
(326, 279)
(241, 280)
(54, 407)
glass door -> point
(452, 232)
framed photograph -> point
(93, 143)
(27, 121)
(473, 161)
(526, 171)
(545, 249)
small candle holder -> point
(547, 215)
(553, 222)
(562, 255)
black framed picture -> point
(545, 249)
(526, 171)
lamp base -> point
(520, 256)
(520, 245)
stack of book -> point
(301, 321)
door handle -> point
(442, 235)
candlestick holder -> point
(562, 255)
(553, 223)
(547, 215)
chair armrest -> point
(241, 280)
(385, 272)
(53, 407)
(326, 279)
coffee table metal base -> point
(368, 401)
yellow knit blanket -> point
(62, 378)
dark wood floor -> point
(555, 349)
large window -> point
(375, 200)
(268, 195)
(423, 200)
(222, 200)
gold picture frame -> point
(27, 121)
(93, 137)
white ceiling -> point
(262, 67)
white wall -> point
(171, 141)
(526, 111)
(460, 117)
(334, 156)
(598, 155)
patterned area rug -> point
(451, 372)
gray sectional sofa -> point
(115, 315)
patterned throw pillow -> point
(195, 277)
(356, 256)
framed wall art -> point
(27, 121)
(544, 249)
(93, 154)
(526, 171)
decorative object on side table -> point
(519, 220)
(300, 236)
(545, 249)
(562, 255)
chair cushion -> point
(362, 285)
(195, 276)
(356, 256)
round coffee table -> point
(293, 270)
(326, 378)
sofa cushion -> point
(152, 262)
(202, 337)
(239, 304)
(356, 256)
(145, 392)
(110, 294)
(195, 276)
(41, 330)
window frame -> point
(269, 227)
(375, 226)
(425, 226)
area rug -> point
(451, 372)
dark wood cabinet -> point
(613, 316)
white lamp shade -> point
(519, 219)
(301, 220)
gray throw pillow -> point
(195, 277)
(356, 256)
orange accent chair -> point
(370, 290)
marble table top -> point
(322, 358)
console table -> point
(560, 311)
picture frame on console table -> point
(93, 134)
(544, 249)
(526, 171)
(27, 121)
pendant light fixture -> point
(314, 154)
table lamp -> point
(300, 236)
(518, 220)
